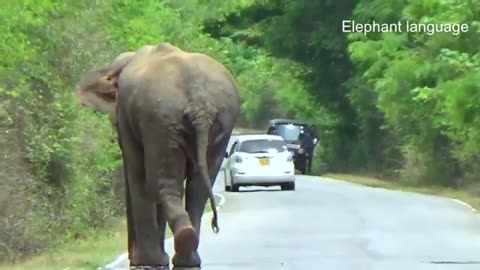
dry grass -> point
(463, 195)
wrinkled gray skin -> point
(175, 113)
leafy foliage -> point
(400, 102)
(65, 152)
(424, 85)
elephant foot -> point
(186, 240)
(186, 261)
(186, 268)
(149, 260)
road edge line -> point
(117, 261)
(124, 256)
(401, 190)
(465, 204)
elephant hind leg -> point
(196, 199)
(186, 240)
(165, 174)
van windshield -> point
(289, 132)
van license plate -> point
(264, 162)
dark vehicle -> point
(291, 131)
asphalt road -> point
(333, 225)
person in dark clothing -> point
(308, 144)
(272, 130)
(301, 156)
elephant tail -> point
(202, 131)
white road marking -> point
(120, 259)
(465, 204)
(123, 257)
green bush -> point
(57, 157)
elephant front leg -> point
(143, 235)
(162, 226)
(130, 226)
(146, 250)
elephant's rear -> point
(211, 84)
(201, 90)
(210, 91)
(192, 83)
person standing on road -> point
(308, 145)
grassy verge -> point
(463, 195)
(87, 254)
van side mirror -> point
(226, 154)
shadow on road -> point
(258, 190)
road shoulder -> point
(463, 197)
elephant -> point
(174, 112)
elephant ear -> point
(116, 67)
